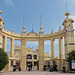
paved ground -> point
(35, 73)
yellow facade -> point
(29, 51)
(67, 33)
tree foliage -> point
(71, 56)
(3, 59)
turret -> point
(68, 38)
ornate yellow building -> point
(67, 33)
(31, 57)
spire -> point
(32, 28)
(23, 20)
(66, 6)
(67, 13)
(40, 20)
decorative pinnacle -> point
(23, 27)
(5, 28)
(0, 12)
(67, 14)
(41, 27)
(59, 28)
(13, 29)
(52, 31)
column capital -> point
(52, 39)
(60, 38)
(5, 37)
(12, 39)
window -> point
(35, 56)
(28, 50)
(29, 56)
(35, 63)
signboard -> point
(73, 64)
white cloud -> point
(9, 2)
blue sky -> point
(52, 12)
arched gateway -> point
(67, 33)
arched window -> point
(35, 56)
(29, 56)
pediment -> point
(32, 34)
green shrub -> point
(3, 59)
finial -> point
(41, 29)
(23, 29)
(0, 12)
(5, 28)
(13, 31)
(19, 46)
(15, 46)
(59, 28)
(67, 14)
(52, 31)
